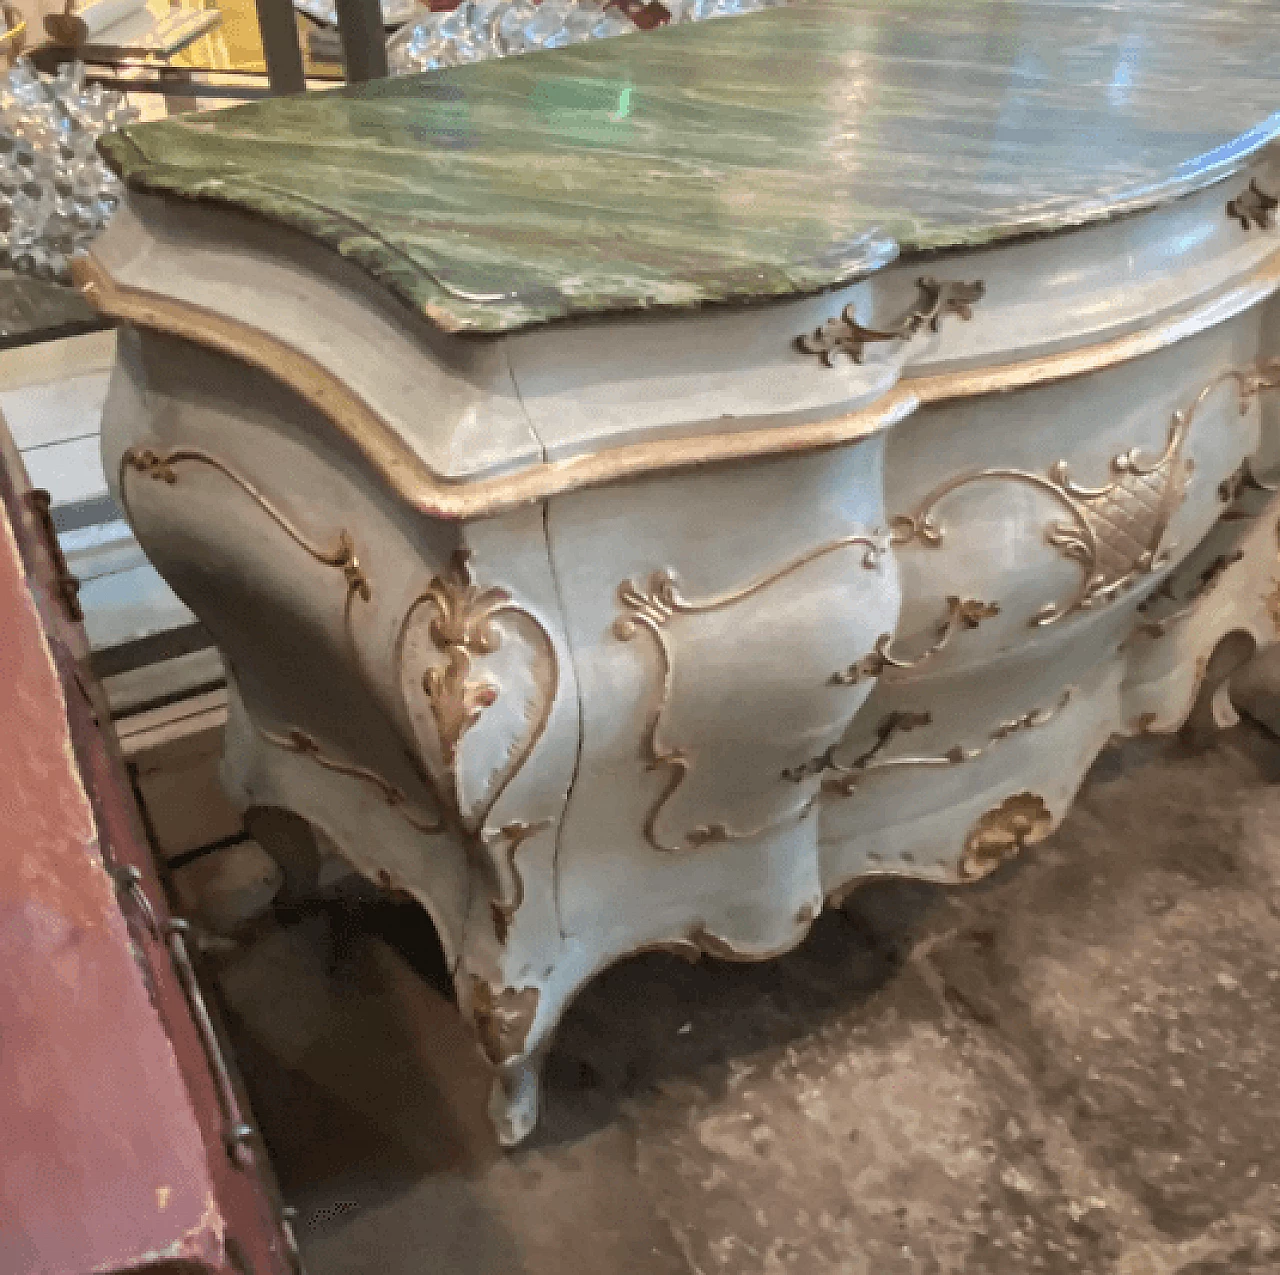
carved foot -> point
(1214, 708)
(514, 1099)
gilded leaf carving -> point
(462, 629)
(1116, 531)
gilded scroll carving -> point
(649, 608)
(298, 741)
(513, 835)
(1016, 823)
(160, 466)
(841, 779)
(1115, 531)
(845, 336)
(1253, 207)
(462, 629)
(962, 613)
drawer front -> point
(1018, 516)
(707, 615)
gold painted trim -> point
(410, 479)
(841, 780)
(304, 745)
(650, 607)
(159, 465)
(962, 613)
(1114, 532)
(515, 834)
(462, 628)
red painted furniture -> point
(123, 1145)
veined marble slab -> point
(763, 156)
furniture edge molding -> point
(409, 479)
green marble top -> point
(743, 158)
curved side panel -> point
(304, 574)
(709, 614)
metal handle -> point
(845, 335)
(237, 1133)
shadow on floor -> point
(1061, 1069)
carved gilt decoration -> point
(160, 466)
(841, 779)
(298, 741)
(1000, 834)
(962, 613)
(1253, 207)
(513, 835)
(503, 1016)
(650, 608)
(463, 629)
(1115, 531)
(845, 336)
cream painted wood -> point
(689, 709)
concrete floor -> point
(1068, 1068)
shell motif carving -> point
(479, 674)
(1017, 822)
(503, 1016)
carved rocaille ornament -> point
(298, 741)
(649, 608)
(1116, 530)
(962, 613)
(462, 629)
(845, 337)
(841, 779)
(159, 465)
(1000, 834)
(503, 1016)
(1155, 626)
(512, 836)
